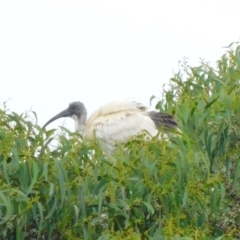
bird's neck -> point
(80, 123)
(80, 128)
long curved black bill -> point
(65, 113)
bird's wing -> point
(118, 121)
(163, 120)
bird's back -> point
(117, 121)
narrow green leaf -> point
(149, 207)
(209, 104)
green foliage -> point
(187, 188)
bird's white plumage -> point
(117, 121)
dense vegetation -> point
(187, 188)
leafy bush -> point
(187, 188)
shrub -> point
(187, 188)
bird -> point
(117, 121)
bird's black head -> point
(75, 110)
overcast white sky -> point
(54, 52)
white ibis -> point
(117, 121)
